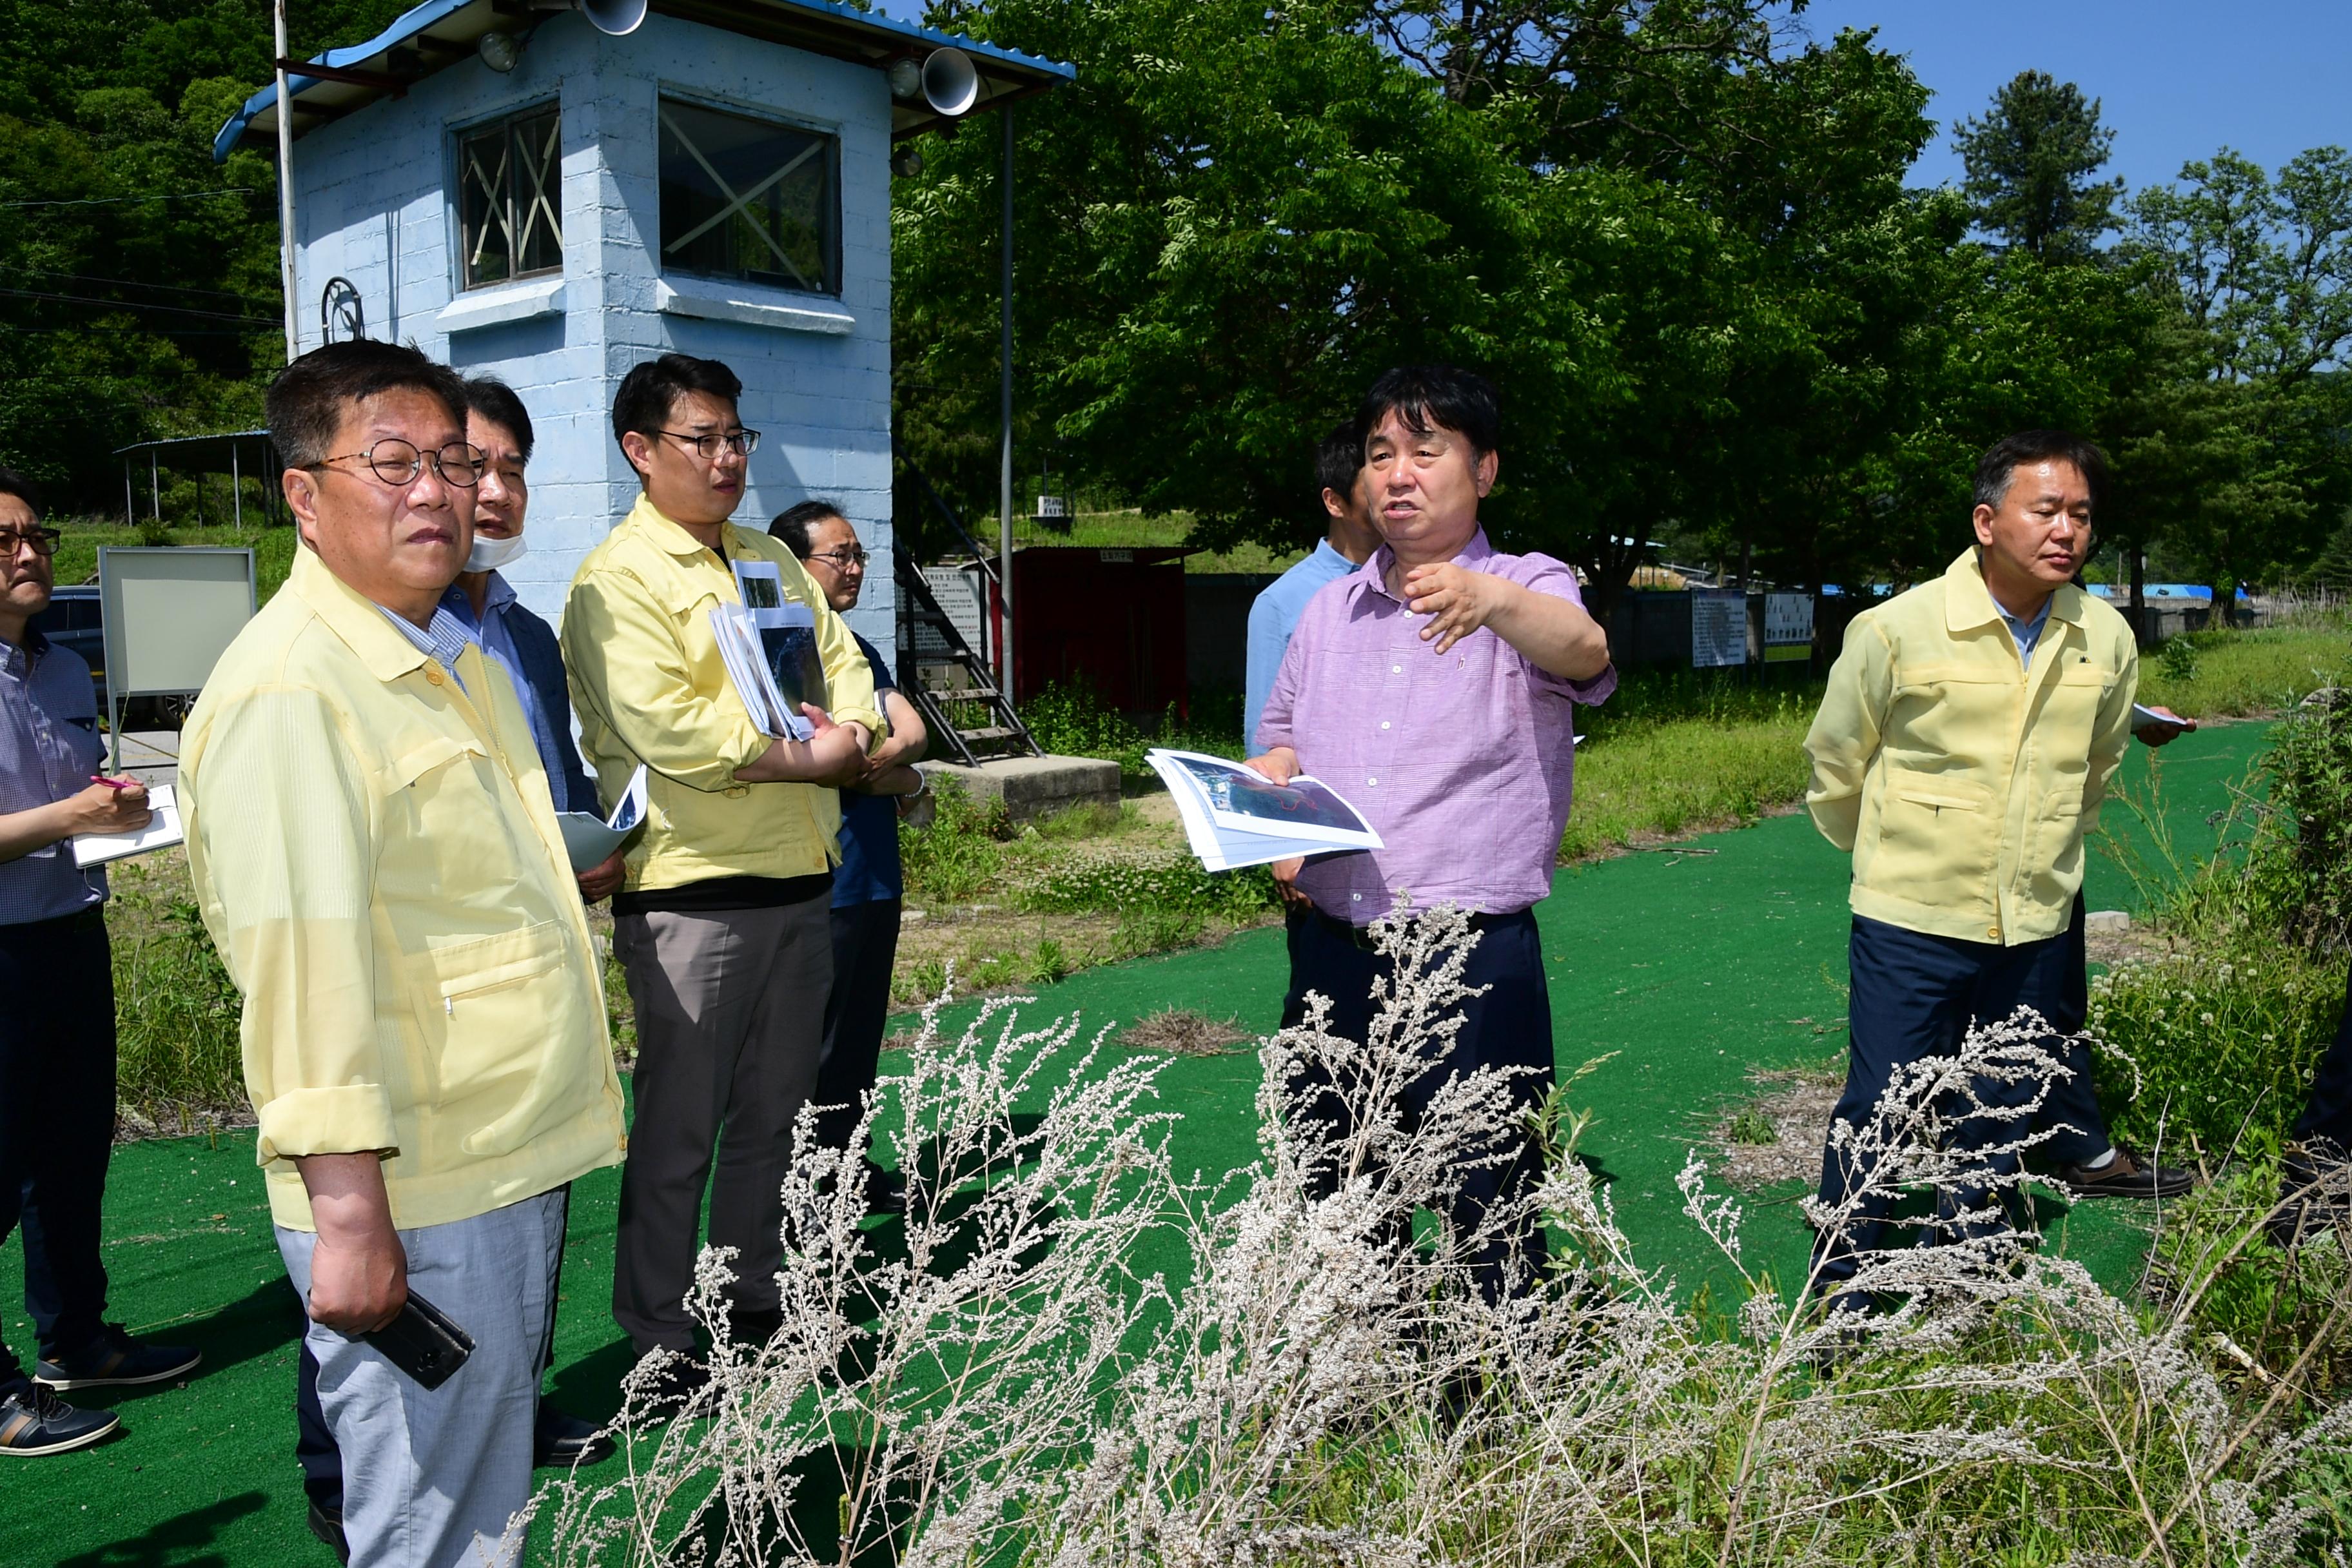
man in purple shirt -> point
(1435, 686)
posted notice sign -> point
(1718, 629)
(1788, 628)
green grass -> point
(2225, 674)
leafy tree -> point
(2242, 454)
(2029, 160)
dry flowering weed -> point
(998, 1384)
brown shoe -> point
(2127, 1176)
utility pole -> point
(286, 187)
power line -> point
(109, 201)
(131, 305)
(168, 288)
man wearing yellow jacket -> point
(724, 926)
(376, 850)
(1961, 752)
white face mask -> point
(489, 554)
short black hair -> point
(1431, 396)
(306, 401)
(652, 389)
(13, 483)
(2001, 460)
(792, 525)
(1339, 460)
(495, 401)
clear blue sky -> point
(2176, 78)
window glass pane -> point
(510, 199)
(744, 198)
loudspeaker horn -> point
(618, 18)
(951, 82)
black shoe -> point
(117, 1361)
(2314, 1194)
(36, 1421)
(2125, 1177)
(560, 1440)
(327, 1524)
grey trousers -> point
(730, 1021)
(432, 1476)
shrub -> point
(2210, 1050)
(2264, 1308)
(957, 857)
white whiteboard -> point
(170, 613)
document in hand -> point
(1235, 817)
(590, 841)
(747, 664)
(162, 831)
(787, 638)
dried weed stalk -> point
(1004, 1388)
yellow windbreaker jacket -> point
(1961, 781)
(650, 686)
(376, 855)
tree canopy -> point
(1678, 233)
(2030, 159)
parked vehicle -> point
(76, 620)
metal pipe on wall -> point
(285, 189)
(1005, 413)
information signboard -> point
(1788, 628)
(1719, 629)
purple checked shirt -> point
(1462, 761)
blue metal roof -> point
(802, 23)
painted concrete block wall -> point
(377, 204)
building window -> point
(749, 199)
(510, 198)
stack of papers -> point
(590, 841)
(769, 646)
(162, 830)
(1236, 816)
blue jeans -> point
(1915, 997)
(56, 1123)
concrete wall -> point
(377, 204)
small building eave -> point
(438, 34)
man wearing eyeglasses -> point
(57, 1010)
(722, 924)
(868, 888)
(376, 850)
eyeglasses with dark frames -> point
(843, 560)
(742, 443)
(398, 463)
(44, 541)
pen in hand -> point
(114, 784)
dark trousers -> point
(2326, 1118)
(1509, 1026)
(1915, 997)
(56, 1123)
(865, 951)
(730, 1018)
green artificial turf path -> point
(1696, 964)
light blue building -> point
(526, 196)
